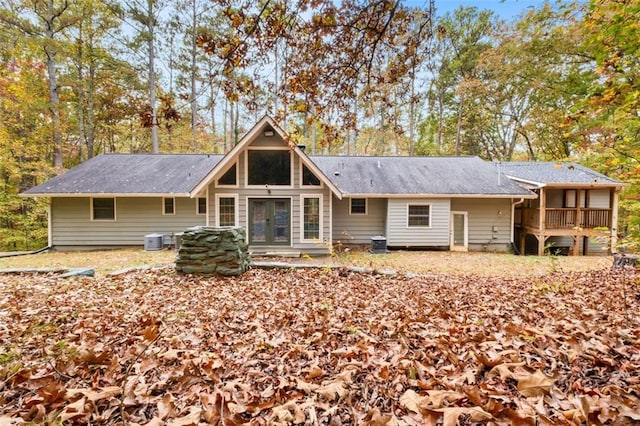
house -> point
(576, 208)
(291, 202)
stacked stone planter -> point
(213, 251)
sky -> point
(506, 9)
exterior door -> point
(270, 221)
(459, 231)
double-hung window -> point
(419, 215)
(201, 205)
(227, 210)
(311, 218)
(103, 209)
(168, 206)
(358, 206)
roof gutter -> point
(488, 196)
(104, 195)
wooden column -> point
(613, 218)
(576, 246)
(578, 222)
(542, 222)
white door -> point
(459, 231)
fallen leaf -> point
(474, 414)
(536, 384)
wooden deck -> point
(576, 223)
(563, 218)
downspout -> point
(49, 223)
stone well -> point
(213, 251)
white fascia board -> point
(488, 196)
(104, 195)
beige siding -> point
(489, 222)
(400, 235)
(358, 229)
(71, 224)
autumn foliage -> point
(324, 347)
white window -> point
(226, 210)
(269, 167)
(201, 205)
(418, 215)
(358, 206)
(169, 205)
(103, 209)
(311, 218)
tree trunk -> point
(225, 130)
(412, 111)
(459, 126)
(440, 119)
(152, 77)
(54, 98)
(80, 92)
(91, 105)
(194, 74)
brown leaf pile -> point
(320, 347)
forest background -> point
(85, 77)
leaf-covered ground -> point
(320, 347)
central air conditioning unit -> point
(153, 242)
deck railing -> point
(557, 218)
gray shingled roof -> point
(131, 174)
(416, 176)
(555, 173)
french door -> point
(270, 221)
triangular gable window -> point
(229, 178)
(308, 178)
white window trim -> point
(206, 204)
(465, 229)
(164, 212)
(115, 216)
(430, 216)
(248, 199)
(302, 198)
(237, 185)
(266, 148)
(301, 173)
(366, 206)
(236, 212)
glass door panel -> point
(258, 223)
(281, 221)
(459, 237)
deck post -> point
(613, 219)
(542, 217)
(541, 242)
(576, 245)
(578, 222)
(542, 228)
